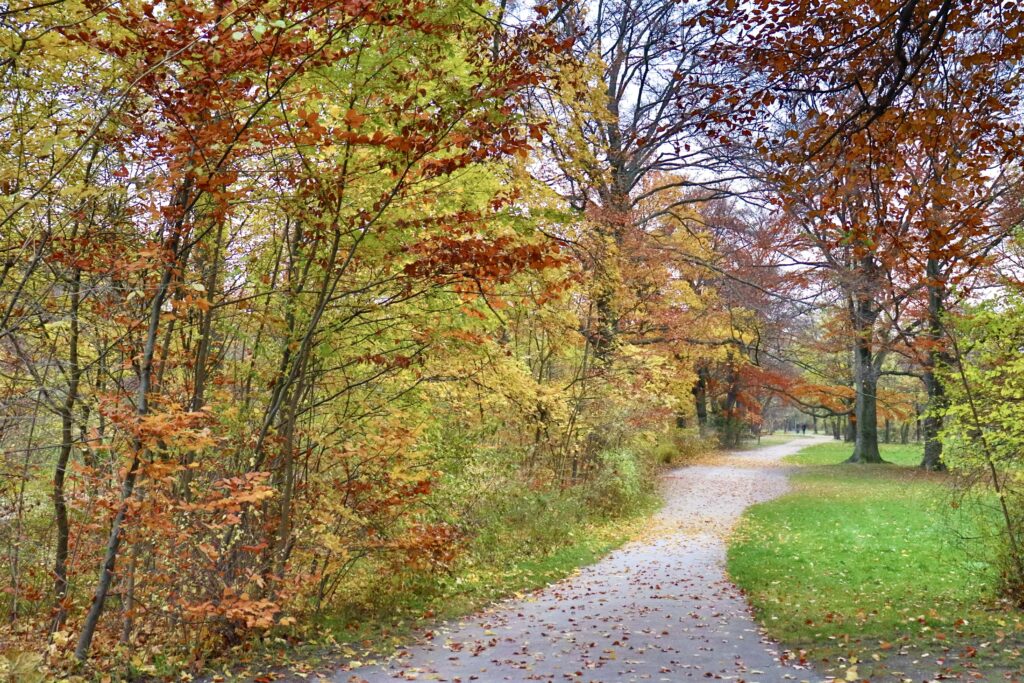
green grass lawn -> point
(871, 563)
(835, 452)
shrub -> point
(680, 446)
(983, 434)
(621, 482)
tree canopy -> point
(293, 293)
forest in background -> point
(300, 301)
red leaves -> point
(236, 142)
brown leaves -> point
(478, 259)
(354, 119)
(237, 609)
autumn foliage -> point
(294, 295)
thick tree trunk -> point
(932, 423)
(730, 435)
(865, 379)
(618, 207)
(865, 425)
(602, 336)
(700, 399)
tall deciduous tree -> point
(853, 95)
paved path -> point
(657, 609)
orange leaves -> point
(173, 429)
(430, 547)
(467, 337)
(261, 233)
(238, 609)
(237, 493)
(833, 398)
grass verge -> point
(867, 566)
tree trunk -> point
(865, 417)
(865, 424)
(730, 436)
(865, 379)
(92, 619)
(700, 399)
(67, 418)
(116, 534)
(932, 423)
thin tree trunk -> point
(67, 424)
(19, 525)
(109, 559)
(141, 408)
(730, 437)
(931, 425)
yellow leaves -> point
(23, 667)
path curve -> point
(658, 609)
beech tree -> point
(845, 96)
